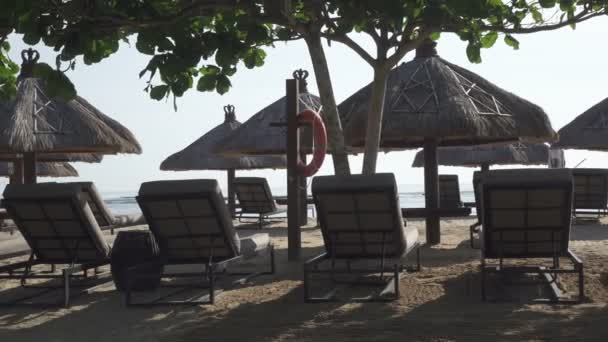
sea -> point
(124, 202)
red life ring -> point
(320, 142)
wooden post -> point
(231, 201)
(17, 176)
(29, 168)
(294, 243)
(431, 192)
(485, 167)
(303, 195)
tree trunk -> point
(374, 121)
(330, 109)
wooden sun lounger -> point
(60, 229)
(526, 214)
(590, 192)
(364, 236)
(256, 200)
(192, 226)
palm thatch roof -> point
(429, 97)
(259, 136)
(200, 154)
(475, 156)
(34, 122)
(588, 131)
(43, 170)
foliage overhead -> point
(200, 43)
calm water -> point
(124, 203)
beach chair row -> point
(524, 214)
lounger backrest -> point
(254, 195)
(56, 221)
(189, 220)
(102, 213)
(590, 188)
(449, 192)
(359, 214)
(526, 213)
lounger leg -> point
(273, 265)
(261, 221)
(396, 280)
(581, 283)
(483, 280)
(306, 284)
(27, 269)
(66, 288)
(211, 279)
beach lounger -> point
(590, 191)
(450, 204)
(192, 226)
(526, 214)
(105, 218)
(255, 199)
(449, 192)
(59, 227)
(364, 235)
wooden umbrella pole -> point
(29, 168)
(485, 167)
(294, 238)
(431, 191)
(17, 176)
(231, 194)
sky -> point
(564, 71)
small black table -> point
(133, 248)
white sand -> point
(441, 303)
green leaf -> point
(206, 82)
(489, 39)
(159, 92)
(547, 3)
(435, 36)
(512, 42)
(223, 84)
(473, 53)
(536, 15)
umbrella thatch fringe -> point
(57, 157)
(475, 156)
(588, 131)
(43, 170)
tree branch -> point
(406, 46)
(581, 17)
(344, 39)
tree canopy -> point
(199, 43)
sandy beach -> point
(440, 303)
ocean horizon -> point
(123, 202)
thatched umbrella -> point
(588, 131)
(486, 155)
(260, 134)
(34, 124)
(7, 169)
(200, 155)
(430, 102)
